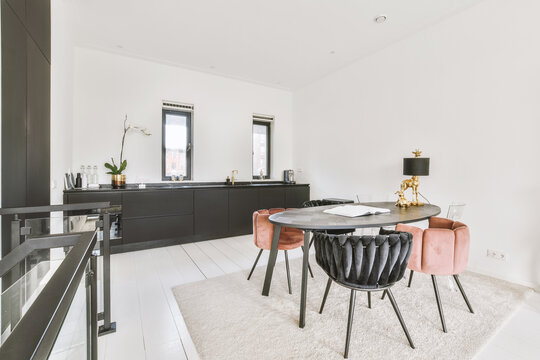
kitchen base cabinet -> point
(178, 228)
(160, 216)
(211, 214)
(242, 204)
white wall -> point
(61, 98)
(108, 86)
(466, 92)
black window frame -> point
(268, 147)
(189, 149)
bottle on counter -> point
(84, 178)
(89, 175)
(78, 181)
(96, 178)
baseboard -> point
(479, 270)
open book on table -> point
(355, 210)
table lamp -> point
(416, 167)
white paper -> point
(356, 210)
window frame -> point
(189, 142)
(268, 125)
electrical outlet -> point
(497, 255)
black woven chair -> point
(365, 263)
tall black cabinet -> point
(26, 54)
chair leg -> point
(349, 323)
(309, 267)
(383, 295)
(439, 304)
(410, 278)
(254, 265)
(369, 299)
(288, 271)
(326, 291)
(456, 277)
(398, 313)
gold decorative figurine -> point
(416, 167)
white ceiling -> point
(280, 43)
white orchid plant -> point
(118, 169)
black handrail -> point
(35, 334)
(50, 208)
(106, 210)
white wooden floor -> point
(150, 325)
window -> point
(261, 146)
(176, 140)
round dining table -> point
(315, 219)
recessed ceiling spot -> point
(332, 52)
(380, 19)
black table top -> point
(314, 218)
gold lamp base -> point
(413, 183)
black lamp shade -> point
(416, 166)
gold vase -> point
(118, 181)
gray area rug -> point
(229, 319)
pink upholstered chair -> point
(443, 249)
(263, 231)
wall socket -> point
(497, 255)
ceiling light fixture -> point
(380, 19)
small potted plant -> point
(118, 180)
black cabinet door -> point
(295, 196)
(211, 213)
(162, 228)
(242, 204)
(37, 127)
(157, 203)
(271, 198)
(19, 6)
(13, 110)
(89, 197)
(38, 23)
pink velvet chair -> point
(263, 231)
(443, 249)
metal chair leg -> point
(369, 299)
(439, 304)
(288, 271)
(308, 266)
(326, 291)
(398, 313)
(349, 323)
(456, 277)
(383, 295)
(410, 278)
(254, 265)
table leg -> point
(303, 294)
(271, 260)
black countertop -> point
(187, 185)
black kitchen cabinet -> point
(168, 230)
(242, 204)
(272, 198)
(211, 213)
(295, 196)
(115, 198)
(38, 23)
(155, 217)
(157, 203)
(38, 125)
(19, 7)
